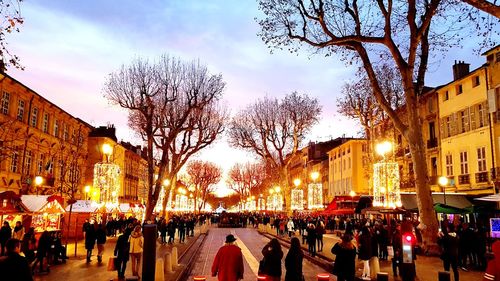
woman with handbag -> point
(345, 259)
(293, 261)
(272, 258)
(136, 244)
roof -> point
(488, 51)
(82, 206)
(39, 203)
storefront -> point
(12, 209)
(45, 211)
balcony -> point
(432, 143)
(464, 179)
(482, 177)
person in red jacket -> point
(228, 263)
(492, 272)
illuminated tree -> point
(203, 175)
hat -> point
(230, 238)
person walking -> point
(272, 256)
(28, 244)
(13, 266)
(450, 244)
(5, 234)
(228, 263)
(90, 240)
(101, 240)
(345, 259)
(163, 232)
(18, 231)
(293, 261)
(121, 252)
(290, 227)
(365, 251)
(311, 239)
(42, 251)
(182, 230)
(171, 231)
(136, 245)
(320, 231)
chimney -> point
(460, 69)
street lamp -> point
(107, 150)
(352, 194)
(38, 183)
(296, 182)
(87, 190)
(383, 148)
(166, 182)
(314, 176)
(443, 182)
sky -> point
(69, 47)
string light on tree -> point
(386, 190)
(315, 193)
(297, 196)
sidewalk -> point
(427, 267)
(76, 268)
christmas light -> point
(386, 192)
(106, 179)
(297, 199)
(315, 196)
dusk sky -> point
(69, 47)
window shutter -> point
(466, 123)
(472, 117)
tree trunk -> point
(172, 188)
(422, 187)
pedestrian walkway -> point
(427, 267)
(76, 268)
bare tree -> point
(10, 12)
(12, 134)
(398, 32)
(274, 130)
(175, 107)
(246, 179)
(203, 175)
(485, 6)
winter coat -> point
(43, 245)
(450, 243)
(14, 267)
(5, 234)
(311, 235)
(290, 226)
(18, 233)
(365, 246)
(228, 264)
(293, 266)
(345, 260)
(492, 272)
(136, 241)
(272, 261)
(100, 236)
(90, 238)
(122, 247)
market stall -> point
(81, 210)
(45, 211)
(135, 210)
(12, 209)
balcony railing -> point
(463, 179)
(482, 177)
(432, 143)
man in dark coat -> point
(13, 266)
(450, 244)
(228, 263)
(5, 234)
(311, 239)
(122, 249)
(90, 237)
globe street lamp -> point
(87, 190)
(443, 182)
(352, 194)
(38, 183)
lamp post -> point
(382, 149)
(107, 150)
(38, 183)
(313, 193)
(87, 190)
(443, 182)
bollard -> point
(444, 276)
(149, 252)
(199, 278)
(159, 274)
(323, 277)
(168, 263)
(174, 257)
(382, 276)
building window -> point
(497, 55)
(34, 117)
(460, 89)
(20, 110)
(448, 126)
(446, 96)
(464, 120)
(56, 128)
(476, 81)
(5, 103)
(449, 165)
(39, 168)
(14, 162)
(430, 105)
(28, 161)
(481, 159)
(45, 126)
(66, 133)
(464, 165)
(481, 113)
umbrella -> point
(493, 198)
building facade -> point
(39, 139)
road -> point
(251, 244)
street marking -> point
(251, 260)
(208, 254)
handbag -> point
(112, 264)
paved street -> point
(251, 244)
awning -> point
(382, 210)
(338, 212)
(42, 203)
(409, 200)
(492, 198)
(446, 209)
